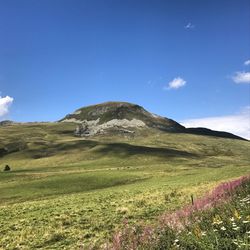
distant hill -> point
(128, 117)
(209, 132)
(6, 123)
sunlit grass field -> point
(66, 192)
(218, 220)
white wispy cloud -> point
(175, 83)
(247, 62)
(238, 124)
(189, 26)
(5, 103)
(241, 77)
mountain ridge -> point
(124, 115)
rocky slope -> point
(120, 115)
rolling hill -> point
(67, 190)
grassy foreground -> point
(219, 220)
(65, 192)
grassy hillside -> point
(64, 192)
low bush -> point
(6, 168)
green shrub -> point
(6, 168)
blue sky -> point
(183, 59)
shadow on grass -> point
(104, 149)
(53, 149)
(126, 150)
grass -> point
(65, 192)
(219, 220)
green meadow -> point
(67, 192)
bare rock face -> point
(120, 116)
(82, 129)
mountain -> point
(127, 117)
(122, 114)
